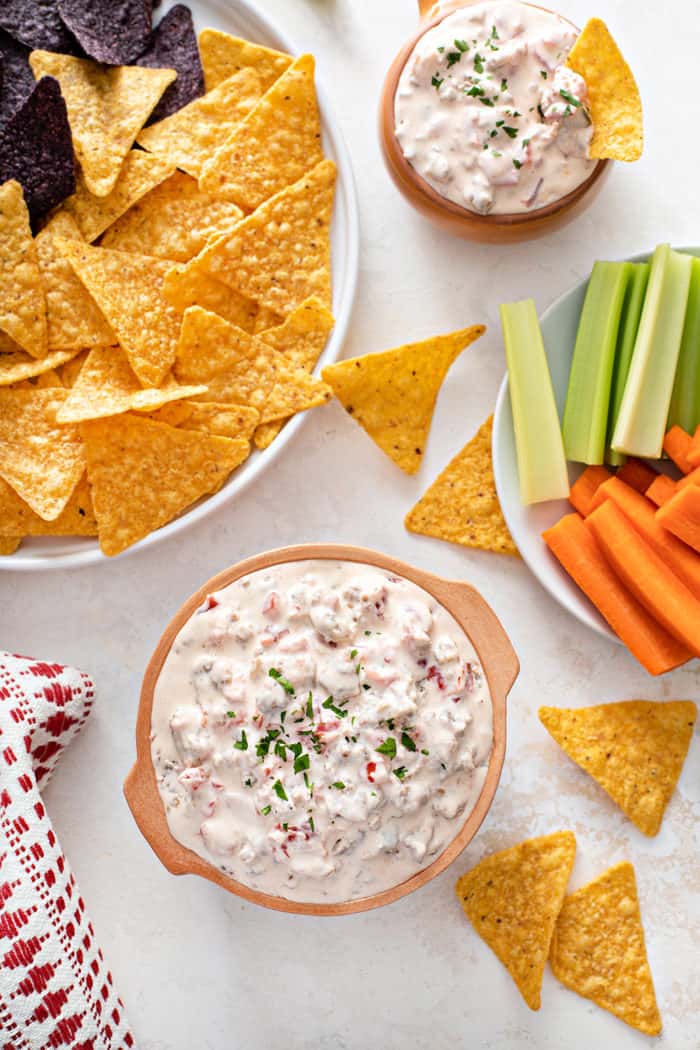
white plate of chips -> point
(240, 19)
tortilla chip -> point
(277, 142)
(107, 386)
(9, 544)
(513, 898)
(184, 287)
(74, 318)
(223, 55)
(22, 299)
(17, 80)
(76, 519)
(71, 370)
(280, 255)
(106, 108)
(598, 949)
(128, 290)
(174, 46)
(242, 369)
(41, 460)
(192, 134)
(174, 221)
(461, 505)
(36, 149)
(18, 366)
(47, 380)
(139, 174)
(112, 31)
(615, 105)
(36, 23)
(232, 421)
(634, 749)
(266, 318)
(392, 394)
(144, 473)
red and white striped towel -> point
(55, 990)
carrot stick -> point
(584, 488)
(681, 516)
(690, 479)
(572, 542)
(637, 473)
(677, 445)
(694, 450)
(647, 576)
(641, 513)
(661, 490)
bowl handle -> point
(140, 794)
(487, 633)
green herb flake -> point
(277, 675)
(310, 706)
(440, 49)
(387, 748)
(295, 749)
(486, 101)
(424, 751)
(504, 84)
(339, 785)
(436, 81)
(400, 772)
(230, 714)
(285, 826)
(311, 824)
(278, 789)
(365, 686)
(248, 782)
(453, 57)
(475, 91)
(265, 810)
(461, 45)
(517, 164)
(478, 63)
(408, 741)
(301, 763)
(330, 706)
(543, 74)
(242, 744)
(568, 97)
(511, 132)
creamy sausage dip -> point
(320, 730)
(487, 113)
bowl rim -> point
(431, 198)
(476, 619)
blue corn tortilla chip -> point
(37, 24)
(115, 32)
(17, 80)
(174, 46)
(36, 149)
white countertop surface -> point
(201, 970)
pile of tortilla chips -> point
(165, 315)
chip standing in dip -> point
(488, 113)
(320, 730)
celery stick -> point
(538, 441)
(588, 397)
(641, 422)
(685, 400)
(629, 325)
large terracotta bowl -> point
(486, 229)
(496, 656)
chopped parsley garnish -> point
(526, 142)
(368, 633)
(408, 741)
(309, 786)
(390, 724)
(475, 91)
(278, 677)
(543, 74)
(242, 744)
(230, 714)
(281, 750)
(311, 824)
(330, 706)
(400, 772)
(283, 715)
(440, 49)
(301, 763)
(568, 97)
(279, 790)
(353, 654)
(310, 706)
(365, 686)
(494, 33)
(248, 782)
(511, 132)
(387, 748)
(295, 749)
(262, 747)
(486, 101)
(478, 63)
(500, 123)
(504, 84)
(285, 826)
(540, 110)
(339, 785)
(453, 57)
(461, 45)
(495, 153)
(517, 164)
(436, 81)
(492, 134)
(265, 810)
(424, 751)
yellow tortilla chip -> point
(461, 505)
(40, 459)
(276, 143)
(512, 899)
(392, 394)
(185, 286)
(634, 749)
(223, 55)
(280, 255)
(7, 345)
(71, 370)
(20, 365)
(47, 380)
(266, 318)
(140, 173)
(174, 221)
(107, 386)
(22, 299)
(193, 133)
(232, 421)
(241, 368)
(9, 544)
(74, 318)
(107, 106)
(129, 291)
(143, 474)
(615, 105)
(76, 519)
(598, 949)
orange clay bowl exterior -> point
(486, 229)
(473, 615)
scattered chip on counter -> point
(107, 106)
(76, 519)
(392, 394)
(36, 23)
(174, 46)
(278, 141)
(598, 949)
(461, 505)
(616, 108)
(22, 299)
(115, 32)
(36, 149)
(512, 899)
(17, 366)
(143, 474)
(635, 749)
(17, 80)
(223, 55)
(232, 421)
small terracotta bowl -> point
(496, 656)
(486, 229)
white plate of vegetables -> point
(601, 400)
